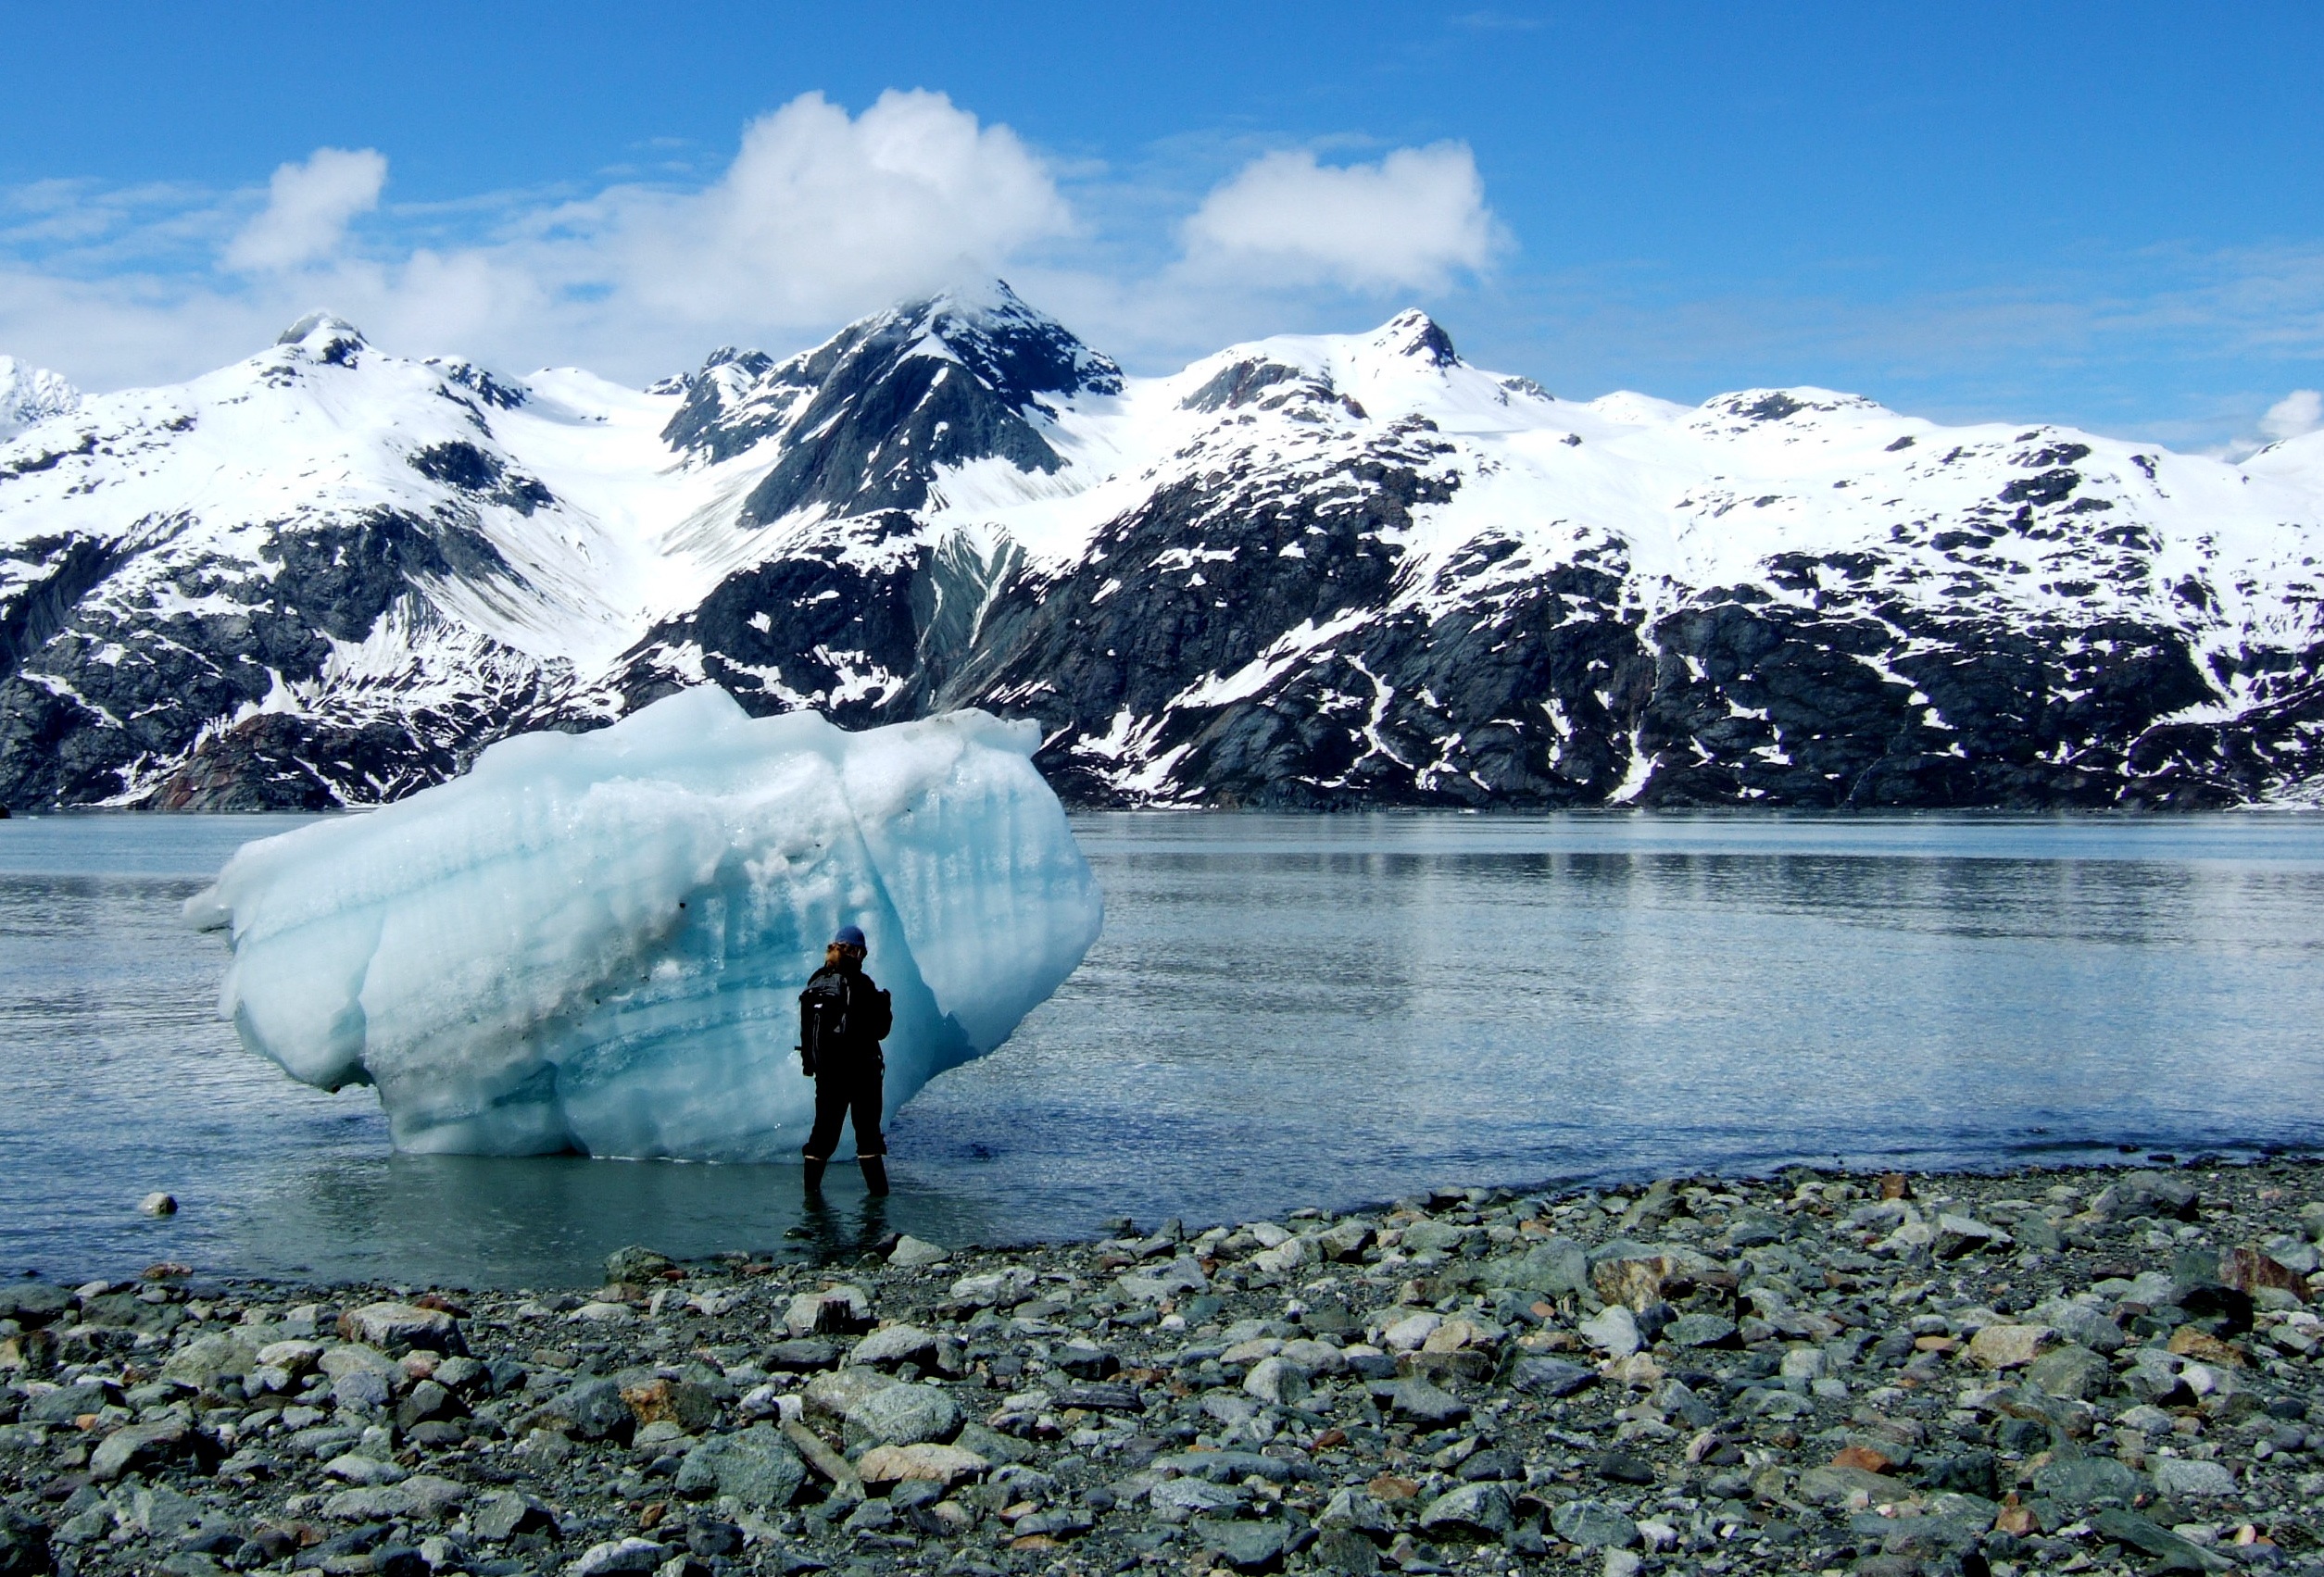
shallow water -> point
(1283, 1011)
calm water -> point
(1283, 1011)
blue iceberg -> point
(596, 942)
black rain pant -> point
(839, 1093)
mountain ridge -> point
(1322, 571)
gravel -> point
(2067, 1370)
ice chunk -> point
(596, 942)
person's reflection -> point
(827, 1233)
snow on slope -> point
(1305, 569)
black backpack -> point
(829, 1032)
(823, 1021)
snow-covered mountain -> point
(1305, 571)
(31, 393)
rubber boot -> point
(874, 1175)
(815, 1165)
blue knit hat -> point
(848, 936)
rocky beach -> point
(2071, 1370)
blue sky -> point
(2105, 214)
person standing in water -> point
(842, 1019)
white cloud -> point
(2299, 412)
(309, 206)
(1411, 221)
(821, 214)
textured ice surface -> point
(597, 941)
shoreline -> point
(1814, 1372)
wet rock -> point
(636, 1265)
(157, 1204)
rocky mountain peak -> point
(1021, 352)
(1414, 333)
(324, 336)
(30, 394)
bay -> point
(1283, 1011)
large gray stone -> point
(2186, 1476)
(594, 1409)
(506, 1513)
(205, 1360)
(1421, 1402)
(1700, 1330)
(1613, 1329)
(906, 1414)
(1593, 1525)
(65, 1404)
(895, 1344)
(398, 1327)
(756, 1465)
(621, 1556)
(1546, 1376)
(1246, 1547)
(2078, 1481)
(1474, 1512)
(1181, 1275)
(139, 1446)
(635, 1264)
(2070, 1372)
(2142, 1533)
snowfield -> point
(1306, 571)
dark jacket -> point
(843, 1016)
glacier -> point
(596, 942)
